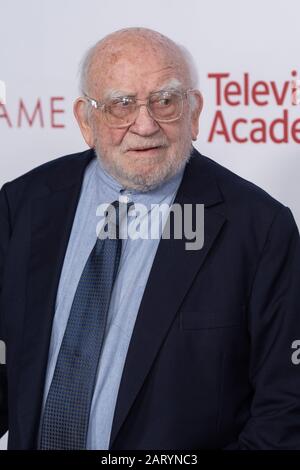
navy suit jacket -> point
(209, 364)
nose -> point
(144, 124)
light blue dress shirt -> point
(137, 257)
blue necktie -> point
(66, 414)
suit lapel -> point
(174, 268)
(51, 222)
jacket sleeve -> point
(274, 328)
(4, 240)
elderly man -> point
(122, 343)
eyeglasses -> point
(122, 111)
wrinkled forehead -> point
(121, 65)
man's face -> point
(146, 153)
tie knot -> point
(116, 214)
(118, 210)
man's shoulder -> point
(63, 168)
(247, 206)
(236, 190)
(57, 165)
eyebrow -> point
(172, 84)
(111, 94)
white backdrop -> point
(42, 41)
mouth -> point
(145, 149)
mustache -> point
(144, 144)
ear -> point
(80, 113)
(195, 113)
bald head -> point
(135, 45)
(140, 108)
